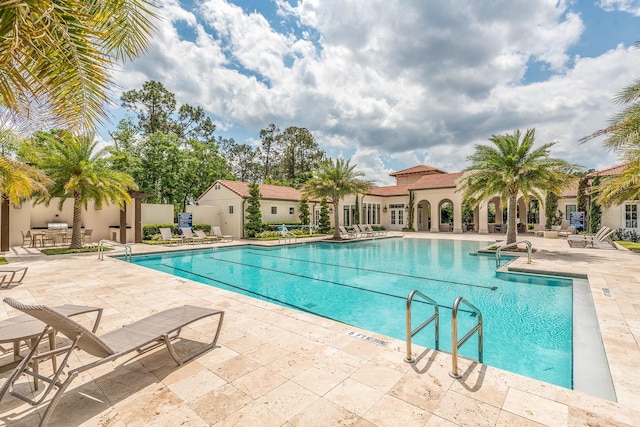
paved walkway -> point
(279, 367)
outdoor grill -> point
(57, 226)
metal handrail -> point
(287, 238)
(411, 333)
(526, 242)
(105, 242)
(455, 344)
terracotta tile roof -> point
(420, 169)
(442, 180)
(392, 190)
(571, 190)
(615, 170)
(272, 192)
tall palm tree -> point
(510, 167)
(77, 171)
(623, 136)
(334, 180)
(57, 56)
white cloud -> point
(629, 6)
(392, 81)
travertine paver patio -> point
(278, 367)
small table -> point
(27, 328)
(551, 234)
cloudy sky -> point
(396, 83)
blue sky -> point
(392, 84)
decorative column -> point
(483, 218)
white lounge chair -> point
(187, 235)
(361, 231)
(201, 234)
(369, 230)
(346, 234)
(168, 238)
(218, 233)
(583, 239)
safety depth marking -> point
(368, 338)
(606, 292)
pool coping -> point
(485, 395)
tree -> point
(305, 215)
(324, 224)
(410, 215)
(269, 151)
(553, 215)
(57, 57)
(623, 136)
(510, 167)
(582, 200)
(77, 171)
(242, 159)
(253, 226)
(18, 181)
(172, 155)
(334, 180)
(595, 210)
(155, 107)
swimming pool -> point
(527, 319)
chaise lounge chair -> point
(201, 234)
(138, 336)
(583, 239)
(187, 235)
(168, 238)
(346, 234)
(11, 272)
(218, 233)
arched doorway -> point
(423, 216)
(446, 215)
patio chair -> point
(566, 233)
(26, 238)
(201, 234)
(86, 236)
(11, 271)
(187, 235)
(50, 236)
(361, 231)
(369, 230)
(138, 336)
(224, 237)
(346, 234)
(168, 238)
(583, 239)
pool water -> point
(527, 319)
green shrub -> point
(268, 234)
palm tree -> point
(77, 171)
(334, 180)
(57, 57)
(18, 182)
(623, 136)
(510, 167)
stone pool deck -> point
(278, 367)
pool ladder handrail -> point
(526, 242)
(455, 343)
(410, 333)
(106, 242)
(288, 237)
